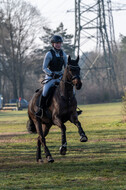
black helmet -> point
(56, 39)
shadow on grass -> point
(69, 174)
(85, 165)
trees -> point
(121, 66)
(20, 24)
(67, 39)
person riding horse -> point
(61, 108)
(53, 64)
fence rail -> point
(11, 106)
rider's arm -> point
(47, 59)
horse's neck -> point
(66, 89)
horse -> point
(63, 107)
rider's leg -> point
(42, 103)
(43, 98)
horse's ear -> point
(69, 59)
(77, 58)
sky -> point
(57, 11)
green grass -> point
(99, 164)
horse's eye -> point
(75, 69)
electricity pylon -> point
(94, 28)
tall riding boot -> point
(42, 105)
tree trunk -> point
(15, 90)
(21, 90)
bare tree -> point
(20, 25)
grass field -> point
(99, 164)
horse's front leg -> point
(45, 129)
(38, 153)
(74, 119)
(63, 148)
(83, 137)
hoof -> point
(79, 112)
(50, 159)
(40, 161)
(63, 150)
(83, 138)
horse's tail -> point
(31, 126)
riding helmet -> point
(56, 39)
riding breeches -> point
(48, 85)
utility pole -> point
(94, 24)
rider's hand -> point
(55, 76)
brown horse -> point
(61, 109)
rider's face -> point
(57, 45)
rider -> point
(53, 64)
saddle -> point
(48, 98)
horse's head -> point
(74, 72)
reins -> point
(73, 77)
(67, 82)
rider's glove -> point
(55, 76)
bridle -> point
(73, 68)
(72, 77)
